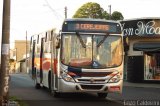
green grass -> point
(14, 99)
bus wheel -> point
(102, 95)
(49, 81)
(56, 94)
(37, 85)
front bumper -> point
(89, 87)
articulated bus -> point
(86, 56)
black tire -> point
(37, 85)
(49, 82)
(56, 94)
(102, 95)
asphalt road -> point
(22, 87)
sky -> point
(36, 16)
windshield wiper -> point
(104, 38)
(80, 39)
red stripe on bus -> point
(55, 66)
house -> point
(18, 53)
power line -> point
(54, 11)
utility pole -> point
(110, 14)
(65, 11)
(4, 72)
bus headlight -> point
(67, 77)
(115, 78)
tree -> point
(105, 15)
(89, 10)
(117, 16)
(94, 10)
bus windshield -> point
(91, 51)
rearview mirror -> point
(58, 42)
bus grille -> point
(91, 87)
(93, 77)
(93, 74)
(86, 80)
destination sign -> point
(91, 27)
